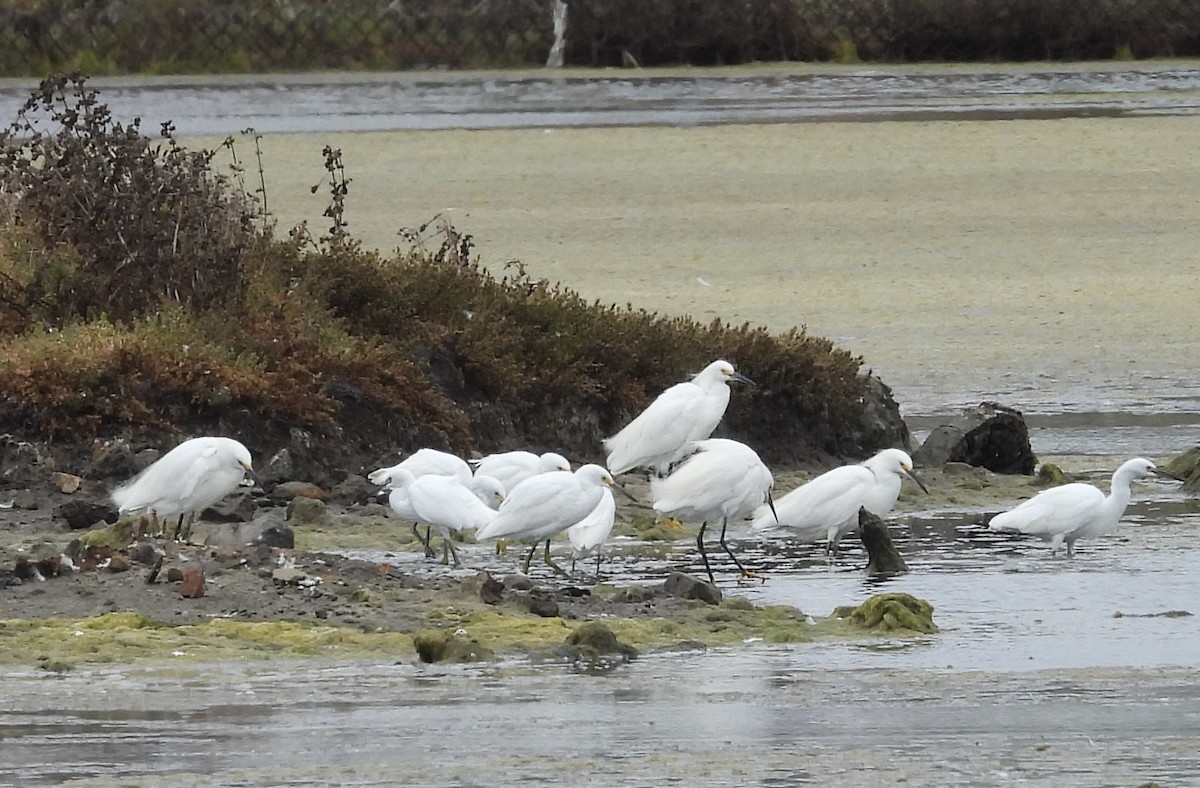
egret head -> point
(725, 371)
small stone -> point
(685, 586)
(25, 500)
(540, 604)
(144, 553)
(174, 574)
(118, 563)
(518, 582)
(303, 510)
(289, 490)
(192, 586)
(288, 575)
(276, 536)
(65, 482)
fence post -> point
(559, 10)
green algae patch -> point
(439, 645)
(1050, 475)
(130, 637)
(115, 537)
(1187, 467)
(894, 613)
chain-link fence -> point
(148, 36)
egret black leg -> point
(745, 574)
(528, 558)
(704, 555)
(550, 562)
(429, 552)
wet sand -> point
(1045, 263)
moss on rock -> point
(890, 613)
(440, 645)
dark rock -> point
(80, 513)
(267, 528)
(276, 536)
(354, 489)
(684, 586)
(884, 558)
(1186, 466)
(881, 423)
(192, 585)
(518, 582)
(23, 464)
(277, 469)
(990, 436)
(288, 576)
(541, 604)
(303, 510)
(118, 563)
(26, 500)
(491, 590)
(40, 569)
(237, 507)
(114, 460)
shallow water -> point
(428, 101)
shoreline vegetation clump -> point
(145, 296)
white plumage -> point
(1074, 511)
(723, 479)
(186, 480)
(513, 467)
(826, 507)
(545, 505)
(442, 502)
(588, 536)
(684, 413)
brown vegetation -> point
(141, 294)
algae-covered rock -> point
(436, 645)
(887, 613)
(1187, 467)
(1050, 475)
(594, 642)
(116, 536)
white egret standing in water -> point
(589, 534)
(1073, 511)
(826, 507)
(545, 505)
(723, 479)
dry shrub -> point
(148, 223)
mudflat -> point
(959, 259)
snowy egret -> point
(545, 505)
(514, 467)
(827, 507)
(723, 478)
(589, 534)
(432, 462)
(684, 413)
(423, 462)
(186, 480)
(1073, 511)
(442, 502)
